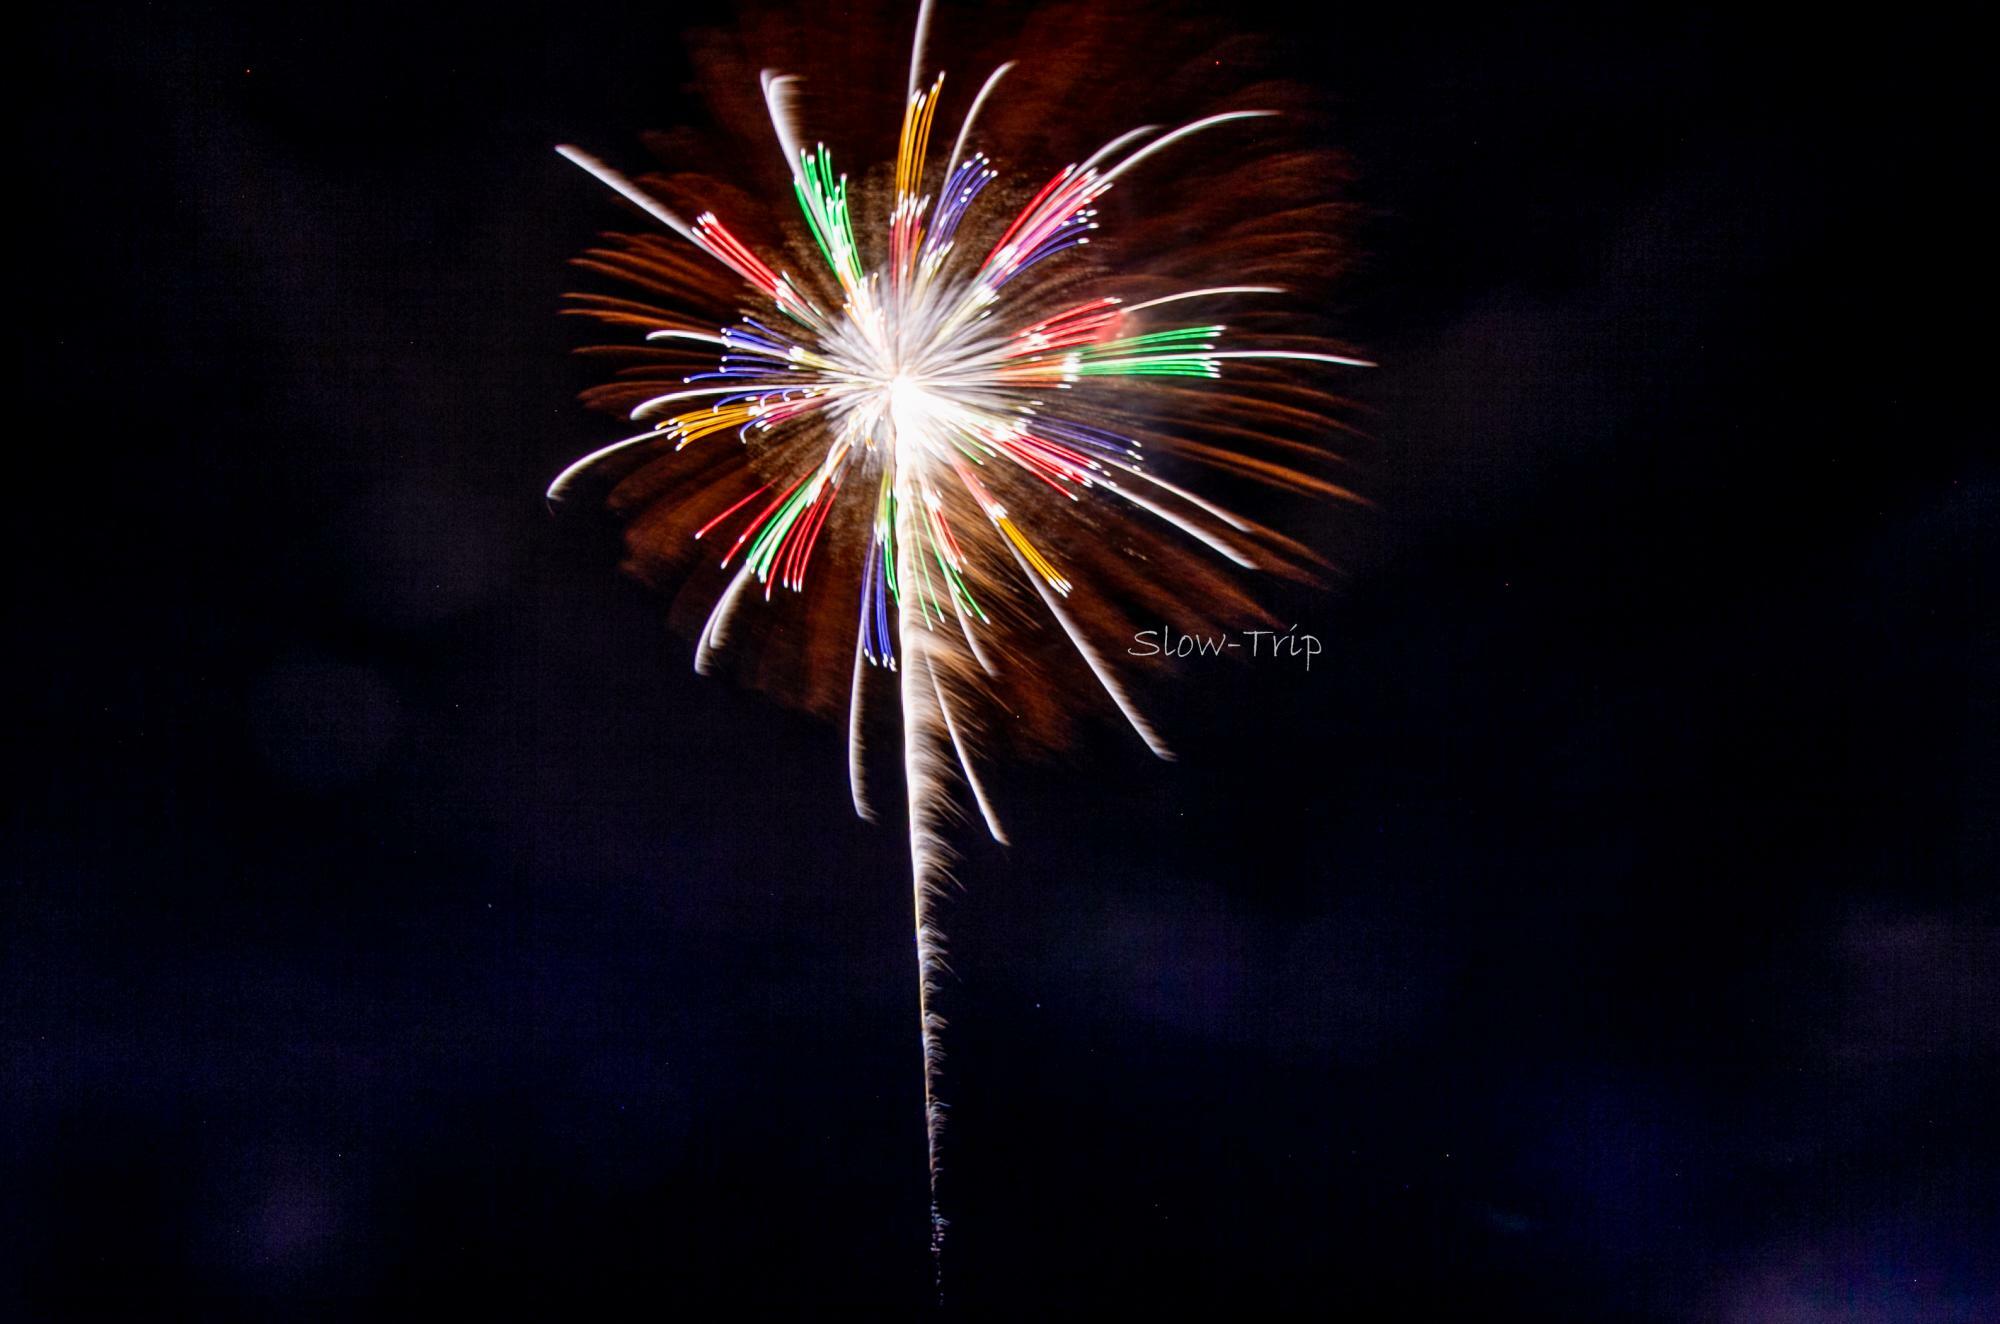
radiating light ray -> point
(652, 206)
(714, 631)
(1117, 144)
(1131, 713)
(1294, 355)
(1191, 529)
(857, 777)
(702, 336)
(1203, 294)
(972, 116)
(965, 766)
(569, 475)
(1186, 130)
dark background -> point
(1602, 930)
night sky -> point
(1603, 929)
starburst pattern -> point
(952, 408)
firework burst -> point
(928, 411)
